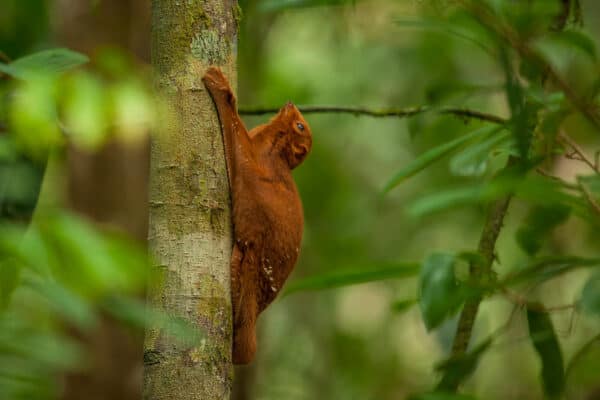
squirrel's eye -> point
(300, 126)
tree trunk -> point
(108, 186)
(190, 217)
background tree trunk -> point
(108, 186)
(190, 223)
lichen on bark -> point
(190, 220)
(210, 47)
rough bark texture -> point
(190, 220)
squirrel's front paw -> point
(214, 79)
(217, 85)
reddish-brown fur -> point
(267, 211)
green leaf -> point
(544, 268)
(585, 364)
(8, 151)
(401, 306)
(522, 112)
(474, 159)
(137, 313)
(538, 224)
(572, 39)
(590, 295)
(450, 28)
(440, 296)
(131, 311)
(457, 369)
(592, 183)
(534, 189)
(442, 396)
(84, 110)
(352, 277)
(33, 116)
(21, 181)
(38, 347)
(279, 5)
(444, 199)
(66, 304)
(543, 337)
(9, 280)
(89, 262)
(53, 61)
(435, 154)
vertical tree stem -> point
(190, 220)
(480, 272)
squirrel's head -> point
(294, 133)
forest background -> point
(464, 135)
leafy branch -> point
(488, 20)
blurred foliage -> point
(60, 274)
(55, 274)
(24, 26)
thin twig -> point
(522, 302)
(562, 182)
(590, 198)
(379, 113)
(577, 153)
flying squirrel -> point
(267, 211)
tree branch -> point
(522, 302)
(479, 272)
(380, 113)
(578, 153)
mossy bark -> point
(190, 220)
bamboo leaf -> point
(538, 224)
(533, 189)
(545, 268)
(457, 369)
(64, 303)
(135, 312)
(473, 160)
(456, 29)
(53, 61)
(585, 360)
(590, 295)
(10, 273)
(543, 337)
(401, 306)
(279, 5)
(442, 396)
(435, 154)
(353, 277)
(444, 199)
(439, 295)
